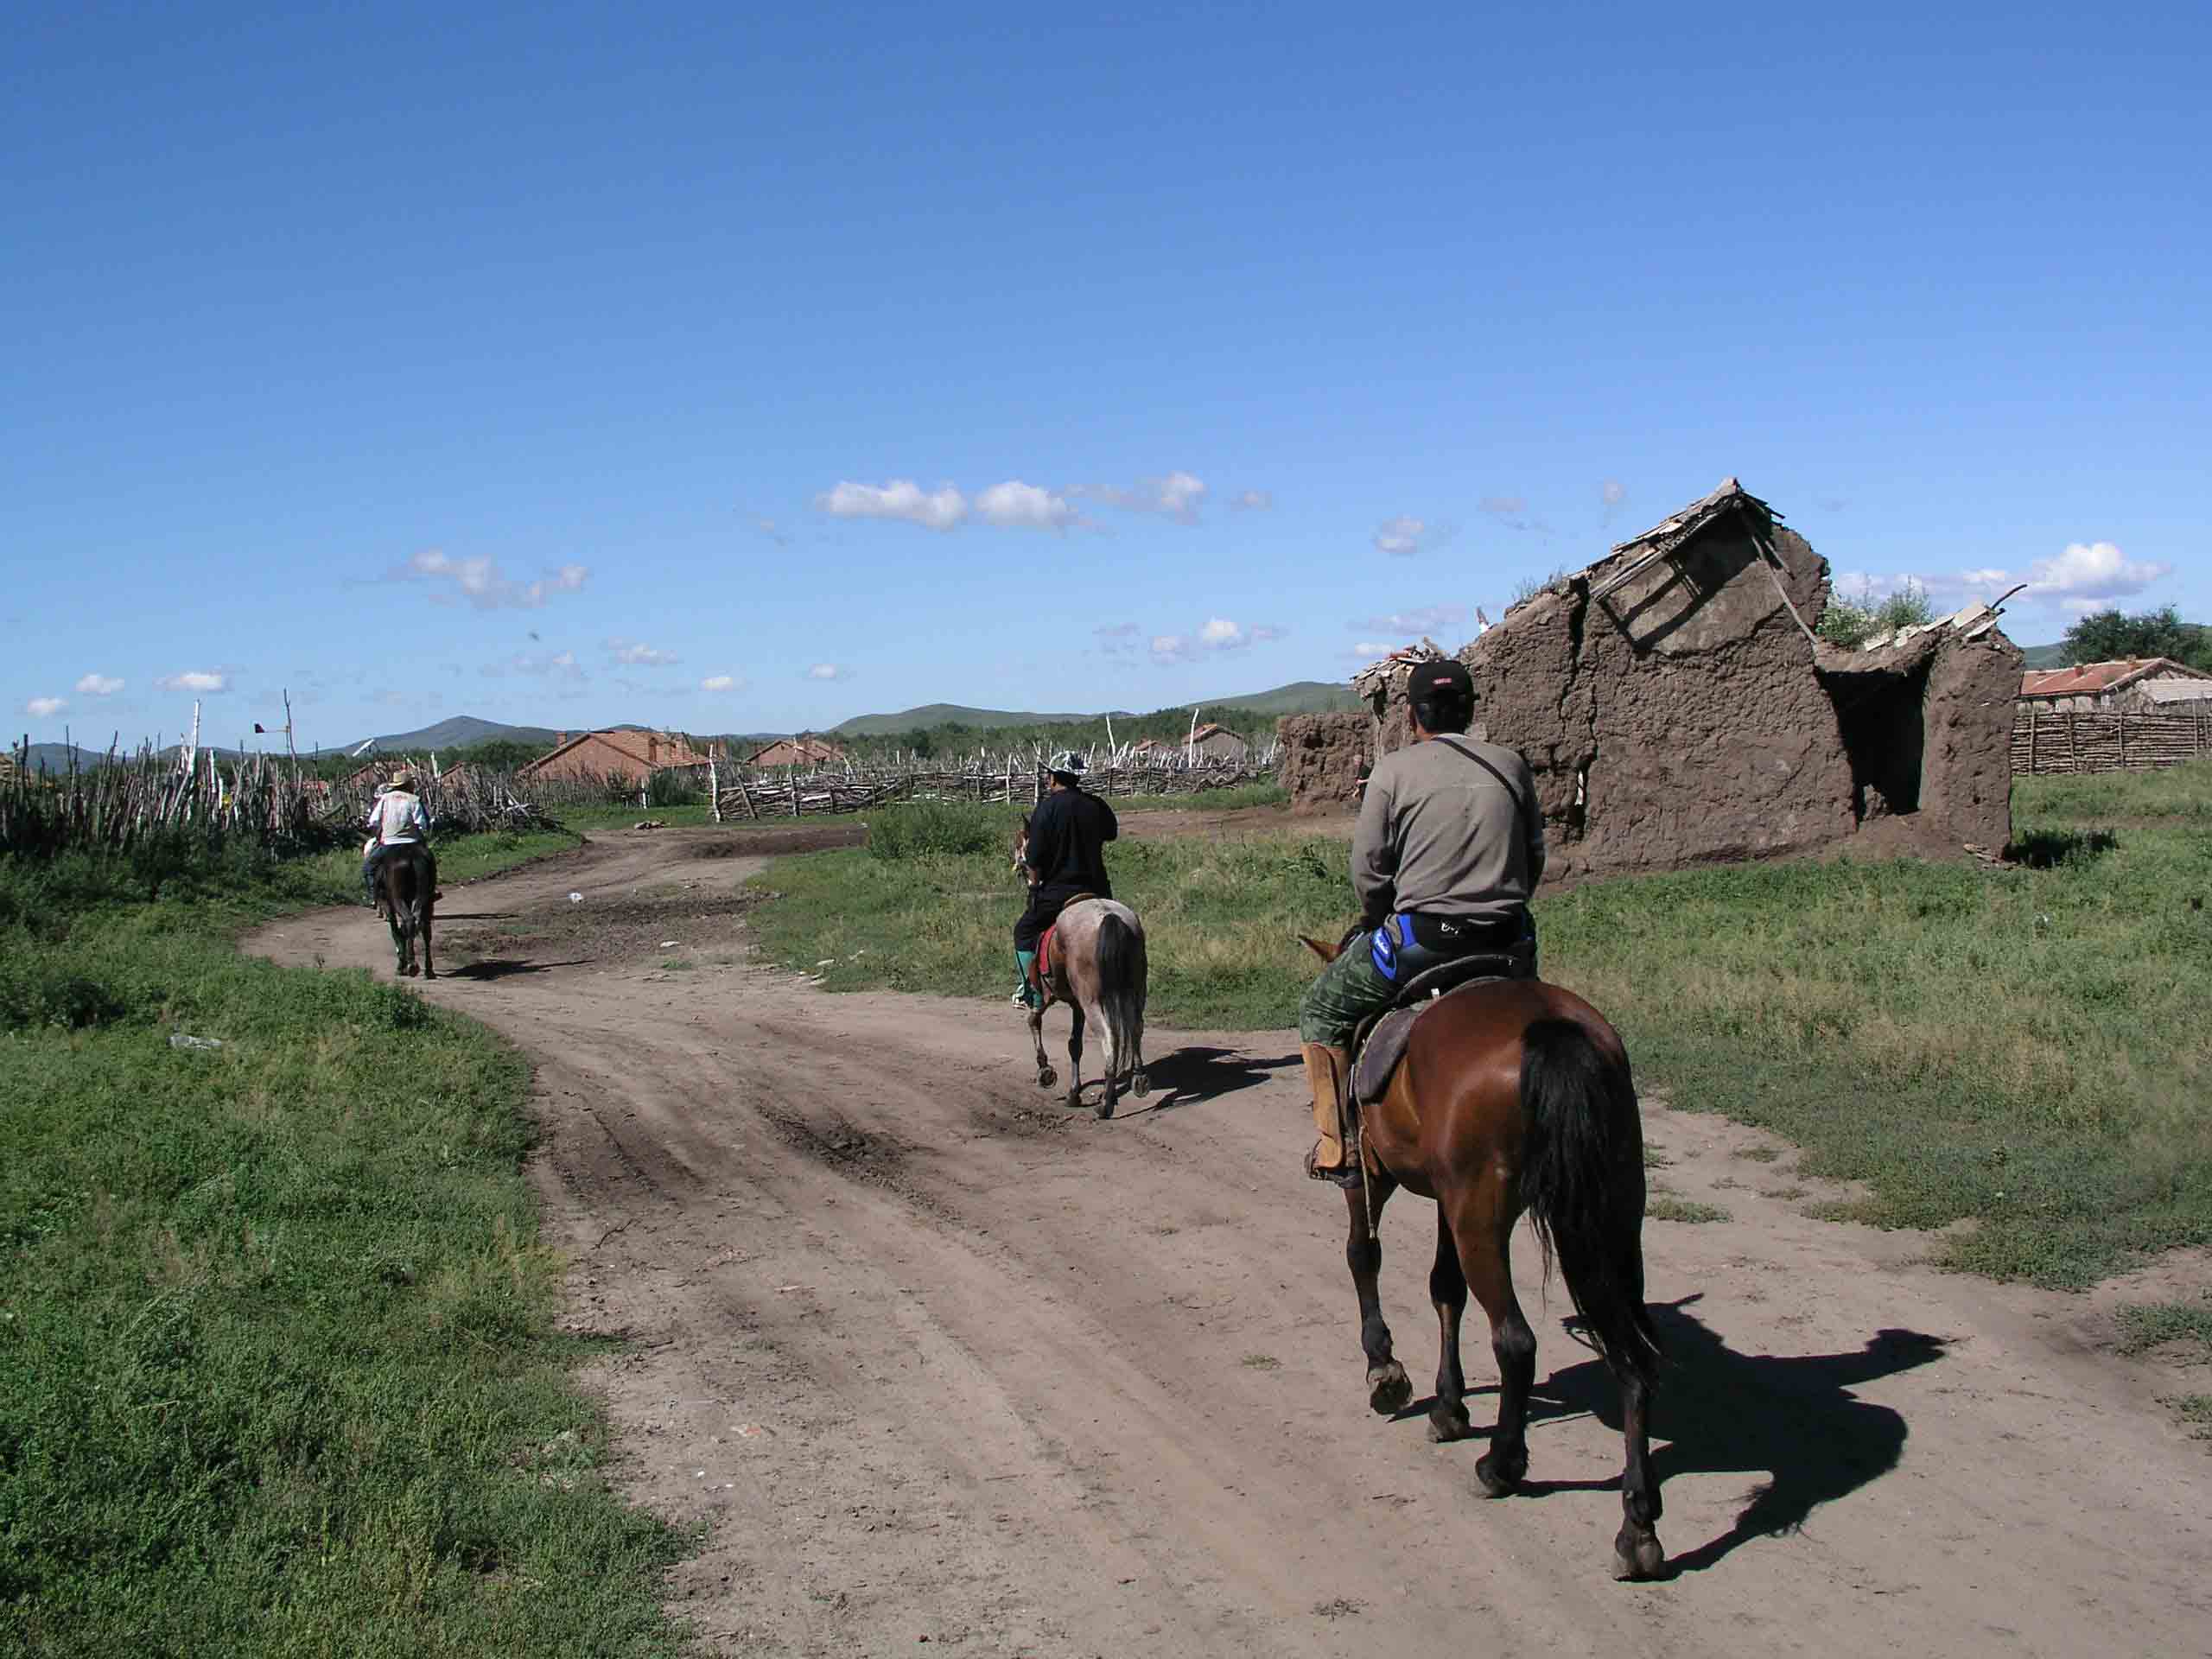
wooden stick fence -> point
(2044, 743)
(987, 781)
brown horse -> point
(406, 895)
(1515, 1095)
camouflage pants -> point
(1349, 989)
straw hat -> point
(404, 779)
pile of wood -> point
(2119, 741)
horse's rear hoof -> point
(1046, 1076)
(1105, 1107)
(1390, 1390)
(1140, 1086)
(1637, 1560)
(428, 974)
(1499, 1479)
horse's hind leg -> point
(1484, 1228)
(428, 971)
(1075, 1056)
(1389, 1388)
(1637, 1550)
(1447, 1290)
(1116, 1061)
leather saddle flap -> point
(1386, 1039)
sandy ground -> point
(938, 1364)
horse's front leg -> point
(1075, 1055)
(1389, 1388)
(1046, 1076)
(428, 971)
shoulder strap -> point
(1521, 808)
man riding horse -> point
(1449, 848)
(401, 828)
(1063, 859)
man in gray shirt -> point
(1449, 848)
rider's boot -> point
(1026, 994)
(1326, 1067)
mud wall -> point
(1322, 758)
(1681, 719)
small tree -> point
(1852, 622)
(2107, 636)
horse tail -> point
(1120, 986)
(1582, 1182)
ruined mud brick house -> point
(2133, 685)
(1676, 709)
(632, 756)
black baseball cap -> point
(1447, 679)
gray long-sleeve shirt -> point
(1438, 833)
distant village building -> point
(1214, 743)
(797, 752)
(2132, 685)
(631, 756)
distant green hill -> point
(1299, 697)
(946, 713)
(2043, 656)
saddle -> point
(1050, 938)
(1380, 1042)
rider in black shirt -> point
(1067, 833)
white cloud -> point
(1424, 619)
(1118, 641)
(41, 707)
(1178, 496)
(561, 666)
(201, 680)
(943, 508)
(1219, 634)
(769, 528)
(829, 671)
(2087, 576)
(2092, 572)
(721, 683)
(483, 584)
(1400, 537)
(1170, 648)
(1252, 500)
(1018, 506)
(1268, 630)
(98, 685)
(1368, 649)
(1613, 493)
(630, 652)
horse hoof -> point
(1105, 1107)
(1140, 1086)
(1388, 1390)
(1640, 1558)
(1445, 1426)
(1046, 1076)
(1498, 1480)
(426, 973)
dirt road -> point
(939, 1364)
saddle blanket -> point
(1378, 1057)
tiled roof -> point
(2088, 678)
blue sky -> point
(571, 365)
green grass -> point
(1229, 799)
(1672, 1206)
(2153, 1325)
(2021, 1049)
(278, 1371)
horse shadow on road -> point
(508, 967)
(1792, 1419)
(1193, 1074)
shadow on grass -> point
(1190, 1075)
(1792, 1419)
(508, 967)
(2047, 850)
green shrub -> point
(937, 828)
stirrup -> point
(1350, 1177)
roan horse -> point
(1515, 1096)
(404, 889)
(1097, 967)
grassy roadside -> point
(278, 1372)
(2021, 1051)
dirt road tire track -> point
(1028, 1383)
